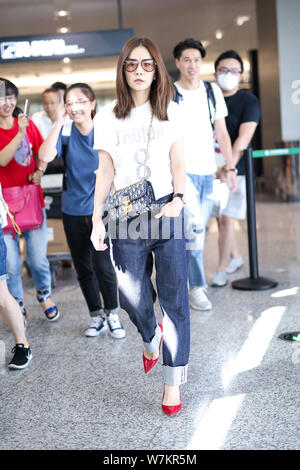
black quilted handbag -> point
(135, 199)
(129, 202)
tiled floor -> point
(243, 382)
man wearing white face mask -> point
(241, 122)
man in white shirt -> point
(203, 109)
(44, 120)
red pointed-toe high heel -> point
(149, 363)
(171, 410)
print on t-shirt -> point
(140, 157)
(23, 153)
(138, 135)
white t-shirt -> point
(3, 209)
(198, 137)
(43, 123)
(126, 142)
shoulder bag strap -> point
(148, 142)
(178, 96)
(210, 99)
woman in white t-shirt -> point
(144, 107)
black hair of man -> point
(189, 43)
(229, 55)
(59, 86)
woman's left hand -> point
(36, 177)
(171, 209)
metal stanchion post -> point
(254, 282)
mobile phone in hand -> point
(27, 107)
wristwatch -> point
(180, 195)
(41, 169)
(226, 170)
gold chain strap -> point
(148, 142)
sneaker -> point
(98, 326)
(22, 357)
(220, 279)
(116, 329)
(198, 299)
(234, 264)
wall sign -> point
(73, 45)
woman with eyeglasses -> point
(142, 129)
(73, 141)
(19, 141)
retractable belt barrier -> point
(275, 152)
(254, 281)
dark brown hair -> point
(11, 89)
(86, 90)
(161, 91)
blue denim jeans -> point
(199, 205)
(36, 257)
(133, 257)
(3, 272)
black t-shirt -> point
(242, 107)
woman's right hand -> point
(98, 235)
(61, 114)
(22, 123)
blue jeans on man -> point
(199, 205)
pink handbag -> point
(25, 205)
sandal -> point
(49, 310)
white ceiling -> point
(164, 21)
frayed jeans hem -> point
(175, 375)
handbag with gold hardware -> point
(135, 199)
(6, 215)
(25, 206)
